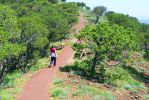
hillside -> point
(121, 82)
(102, 55)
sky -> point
(135, 8)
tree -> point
(32, 29)
(8, 54)
(69, 12)
(99, 11)
(106, 42)
(145, 38)
(26, 26)
(53, 1)
(8, 20)
(123, 20)
(58, 28)
(64, 0)
(88, 8)
(81, 4)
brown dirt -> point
(81, 23)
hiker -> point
(53, 56)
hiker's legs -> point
(54, 59)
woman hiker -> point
(53, 56)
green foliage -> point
(10, 87)
(95, 92)
(59, 93)
(146, 96)
(88, 8)
(57, 27)
(117, 74)
(41, 41)
(88, 89)
(122, 78)
(53, 1)
(27, 27)
(58, 81)
(104, 96)
(69, 12)
(64, 0)
(77, 93)
(8, 50)
(10, 80)
(8, 21)
(144, 39)
(89, 15)
(81, 4)
(102, 73)
(123, 20)
(106, 42)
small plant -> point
(117, 73)
(127, 87)
(107, 96)
(59, 93)
(98, 97)
(58, 81)
(104, 96)
(102, 74)
(146, 96)
(77, 93)
(88, 89)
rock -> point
(136, 96)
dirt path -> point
(37, 87)
(81, 23)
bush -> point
(117, 73)
(58, 81)
(104, 96)
(59, 93)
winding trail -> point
(81, 23)
(38, 86)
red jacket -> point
(52, 50)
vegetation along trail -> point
(37, 87)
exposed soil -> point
(81, 23)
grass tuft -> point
(59, 93)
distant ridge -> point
(144, 21)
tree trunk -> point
(97, 19)
(2, 72)
(94, 63)
(146, 49)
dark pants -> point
(53, 61)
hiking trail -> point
(38, 86)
